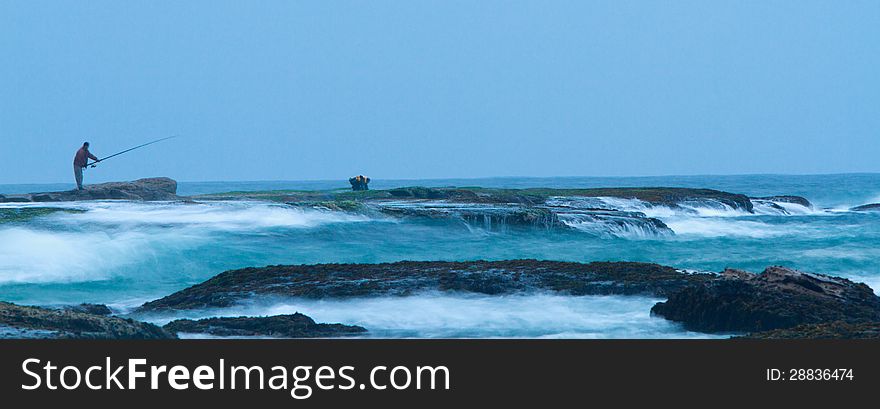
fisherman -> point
(80, 161)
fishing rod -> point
(127, 150)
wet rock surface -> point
(411, 277)
(142, 189)
(34, 322)
(277, 326)
(777, 298)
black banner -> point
(439, 372)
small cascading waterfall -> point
(628, 225)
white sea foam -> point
(437, 315)
(722, 227)
(209, 215)
(36, 256)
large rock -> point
(142, 189)
(278, 326)
(777, 298)
(24, 322)
(410, 277)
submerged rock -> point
(411, 277)
(142, 189)
(827, 330)
(277, 326)
(35, 322)
(872, 207)
(777, 298)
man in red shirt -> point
(80, 161)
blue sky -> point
(281, 90)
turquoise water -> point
(122, 253)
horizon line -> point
(485, 177)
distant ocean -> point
(123, 253)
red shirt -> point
(82, 157)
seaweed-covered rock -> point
(777, 298)
(142, 189)
(826, 330)
(22, 321)
(277, 326)
(410, 277)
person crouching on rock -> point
(359, 182)
(79, 163)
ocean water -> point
(124, 253)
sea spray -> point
(442, 315)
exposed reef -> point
(34, 322)
(597, 211)
(142, 189)
(777, 298)
(410, 277)
(277, 326)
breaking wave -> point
(704, 217)
(620, 227)
(439, 315)
(211, 215)
(35, 256)
(108, 237)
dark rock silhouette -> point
(18, 321)
(777, 298)
(278, 326)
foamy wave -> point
(211, 215)
(437, 315)
(628, 228)
(34, 256)
(722, 227)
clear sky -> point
(281, 90)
